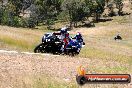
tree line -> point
(47, 12)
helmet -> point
(78, 34)
(63, 30)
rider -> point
(64, 35)
(74, 43)
(78, 37)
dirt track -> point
(14, 66)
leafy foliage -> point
(50, 11)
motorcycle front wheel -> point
(39, 48)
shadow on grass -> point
(89, 24)
(118, 14)
(123, 14)
(102, 20)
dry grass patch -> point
(23, 39)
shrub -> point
(16, 22)
(5, 18)
(30, 22)
(1, 13)
(22, 22)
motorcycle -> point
(50, 44)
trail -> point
(28, 53)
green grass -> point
(109, 70)
(91, 52)
(22, 44)
(20, 39)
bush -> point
(30, 22)
(8, 18)
(63, 16)
(16, 21)
(5, 18)
(50, 22)
(22, 22)
(1, 13)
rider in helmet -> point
(75, 43)
(78, 37)
(64, 37)
(64, 32)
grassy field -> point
(20, 38)
(103, 54)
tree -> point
(119, 6)
(77, 10)
(96, 8)
(47, 9)
(18, 6)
